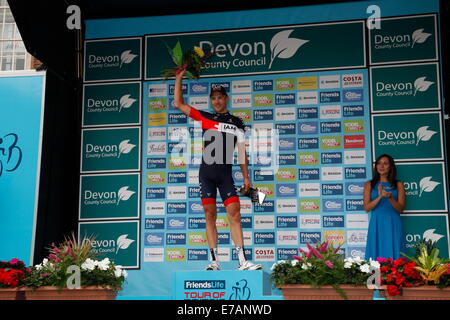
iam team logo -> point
(10, 153)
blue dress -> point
(385, 237)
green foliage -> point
(192, 60)
(428, 264)
(322, 265)
(53, 271)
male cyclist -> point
(221, 132)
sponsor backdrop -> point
(320, 102)
(21, 123)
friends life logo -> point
(10, 153)
(251, 54)
(108, 151)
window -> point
(13, 55)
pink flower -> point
(323, 247)
(54, 258)
(14, 261)
(297, 258)
(329, 264)
(302, 251)
(316, 253)
(381, 260)
(336, 250)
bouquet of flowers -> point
(193, 60)
(397, 274)
(12, 273)
(322, 265)
(55, 269)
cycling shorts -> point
(213, 177)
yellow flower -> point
(199, 51)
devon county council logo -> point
(127, 57)
(125, 147)
(429, 235)
(419, 36)
(421, 85)
(126, 102)
(423, 134)
(283, 47)
(427, 185)
(124, 194)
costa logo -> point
(352, 80)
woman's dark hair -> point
(392, 175)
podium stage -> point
(222, 285)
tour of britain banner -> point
(319, 101)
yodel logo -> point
(105, 197)
(105, 151)
(110, 105)
(10, 153)
(405, 137)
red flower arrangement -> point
(12, 273)
(396, 274)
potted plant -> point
(424, 277)
(72, 272)
(321, 273)
(12, 274)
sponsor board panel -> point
(109, 196)
(112, 59)
(404, 39)
(118, 241)
(408, 136)
(110, 149)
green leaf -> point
(189, 74)
(178, 54)
(169, 50)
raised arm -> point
(178, 100)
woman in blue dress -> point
(384, 195)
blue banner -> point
(21, 120)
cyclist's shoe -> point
(247, 265)
(212, 267)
